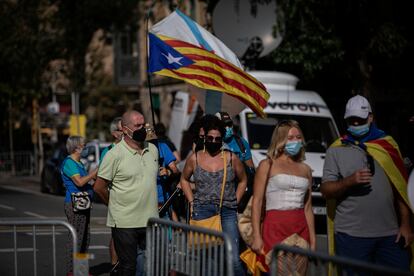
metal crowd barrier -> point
(180, 249)
(23, 163)
(80, 261)
(285, 262)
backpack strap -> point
(240, 144)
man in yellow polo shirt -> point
(132, 167)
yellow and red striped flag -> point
(386, 152)
(181, 60)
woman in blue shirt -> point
(76, 179)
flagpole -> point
(148, 73)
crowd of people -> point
(363, 178)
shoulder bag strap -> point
(268, 175)
(224, 178)
(268, 172)
(240, 144)
(267, 181)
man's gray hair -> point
(114, 126)
(74, 142)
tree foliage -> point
(80, 19)
(28, 41)
(35, 32)
(357, 38)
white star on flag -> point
(171, 59)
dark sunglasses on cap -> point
(210, 138)
(228, 123)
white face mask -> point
(293, 148)
(359, 131)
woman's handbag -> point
(245, 224)
(245, 218)
(212, 223)
(81, 201)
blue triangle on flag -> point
(163, 56)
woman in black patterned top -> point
(207, 168)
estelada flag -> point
(182, 27)
(181, 60)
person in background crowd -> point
(283, 182)
(116, 131)
(132, 168)
(239, 146)
(234, 142)
(364, 173)
(76, 179)
(207, 168)
(167, 171)
(160, 131)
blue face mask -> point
(358, 131)
(293, 148)
(229, 133)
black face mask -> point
(139, 135)
(212, 147)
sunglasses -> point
(210, 138)
(228, 123)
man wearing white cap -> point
(364, 174)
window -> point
(126, 57)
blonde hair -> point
(279, 139)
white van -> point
(305, 107)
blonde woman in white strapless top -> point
(286, 195)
